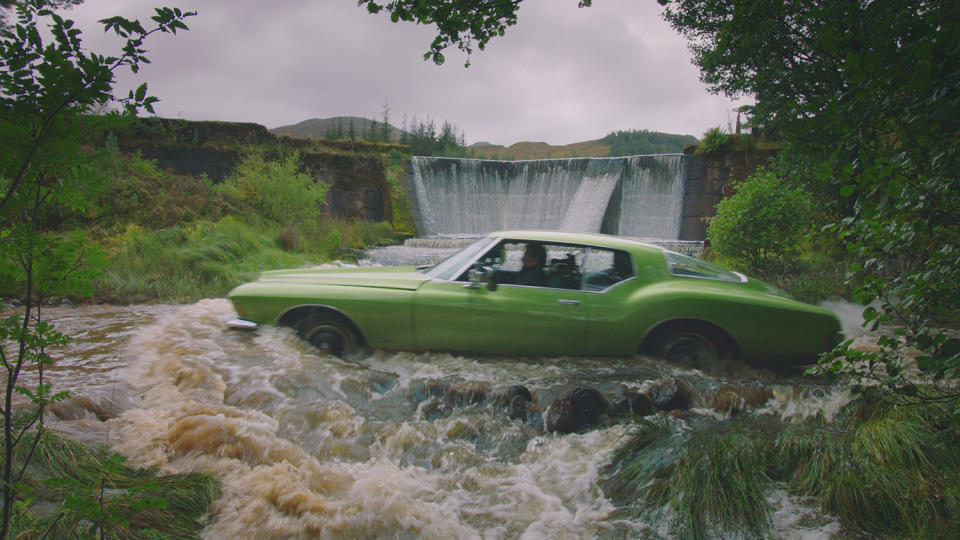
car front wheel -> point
(328, 334)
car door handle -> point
(568, 302)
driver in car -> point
(534, 256)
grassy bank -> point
(207, 258)
(168, 237)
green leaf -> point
(141, 92)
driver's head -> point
(534, 255)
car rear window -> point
(686, 266)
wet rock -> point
(519, 390)
(642, 405)
(559, 416)
(518, 409)
(503, 396)
(424, 390)
(671, 394)
(578, 409)
(466, 393)
(620, 408)
(632, 403)
(732, 399)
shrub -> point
(277, 190)
(713, 139)
(763, 224)
(138, 192)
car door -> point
(513, 319)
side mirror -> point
(482, 274)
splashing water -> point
(395, 445)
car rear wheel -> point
(691, 343)
(328, 335)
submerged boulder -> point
(580, 408)
(632, 404)
(671, 394)
(642, 405)
(518, 409)
(734, 399)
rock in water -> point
(671, 394)
(578, 409)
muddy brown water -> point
(312, 446)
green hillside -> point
(618, 143)
(318, 128)
(540, 150)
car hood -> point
(396, 277)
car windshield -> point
(454, 265)
(686, 266)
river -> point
(384, 445)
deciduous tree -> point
(47, 84)
(864, 96)
(462, 23)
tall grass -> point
(78, 491)
(885, 467)
(709, 482)
(207, 258)
(882, 467)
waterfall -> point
(651, 197)
(632, 196)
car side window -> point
(537, 264)
(604, 268)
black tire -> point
(328, 334)
(691, 343)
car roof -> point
(593, 239)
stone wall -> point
(354, 170)
(709, 178)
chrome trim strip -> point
(242, 324)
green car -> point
(544, 293)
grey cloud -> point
(561, 75)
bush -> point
(136, 191)
(277, 190)
(714, 139)
(762, 226)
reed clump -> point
(883, 467)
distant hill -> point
(618, 143)
(539, 150)
(317, 128)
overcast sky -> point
(561, 75)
